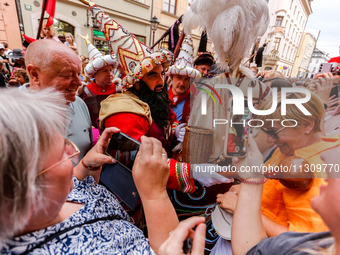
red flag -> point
(50, 9)
(28, 39)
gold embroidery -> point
(123, 53)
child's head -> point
(21, 76)
(48, 31)
(69, 38)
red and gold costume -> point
(187, 104)
(133, 117)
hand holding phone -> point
(324, 86)
(124, 149)
(151, 171)
(184, 240)
(96, 157)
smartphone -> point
(325, 68)
(237, 136)
(187, 246)
(124, 149)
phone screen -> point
(238, 134)
(124, 149)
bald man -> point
(52, 64)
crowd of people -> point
(60, 193)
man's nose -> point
(77, 81)
(160, 80)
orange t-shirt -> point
(291, 208)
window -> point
(100, 42)
(293, 53)
(291, 4)
(170, 6)
(287, 52)
(141, 38)
(284, 51)
(277, 43)
(62, 28)
(278, 21)
(295, 10)
(290, 56)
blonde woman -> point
(70, 42)
(49, 32)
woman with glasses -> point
(267, 148)
(248, 233)
(285, 208)
(47, 206)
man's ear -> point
(33, 75)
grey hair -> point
(29, 123)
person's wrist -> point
(90, 168)
(155, 196)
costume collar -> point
(98, 90)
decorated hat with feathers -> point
(232, 27)
(184, 64)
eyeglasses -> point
(71, 150)
(269, 79)
(272, 133)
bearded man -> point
(143, 108)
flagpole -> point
(41, 18)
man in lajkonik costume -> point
(181, 73)
(144, 107)
(100, 68)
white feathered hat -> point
(97, 60)
(184, 62)
(232, 26)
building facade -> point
(167, 12)
(304, 55)
(317, 58)
(287, 22)
(9, 24)
(74, 17)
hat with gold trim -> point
(134, 57)
(97, 60)
(184, 62)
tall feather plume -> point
(232, 26)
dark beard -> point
(158, 102)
